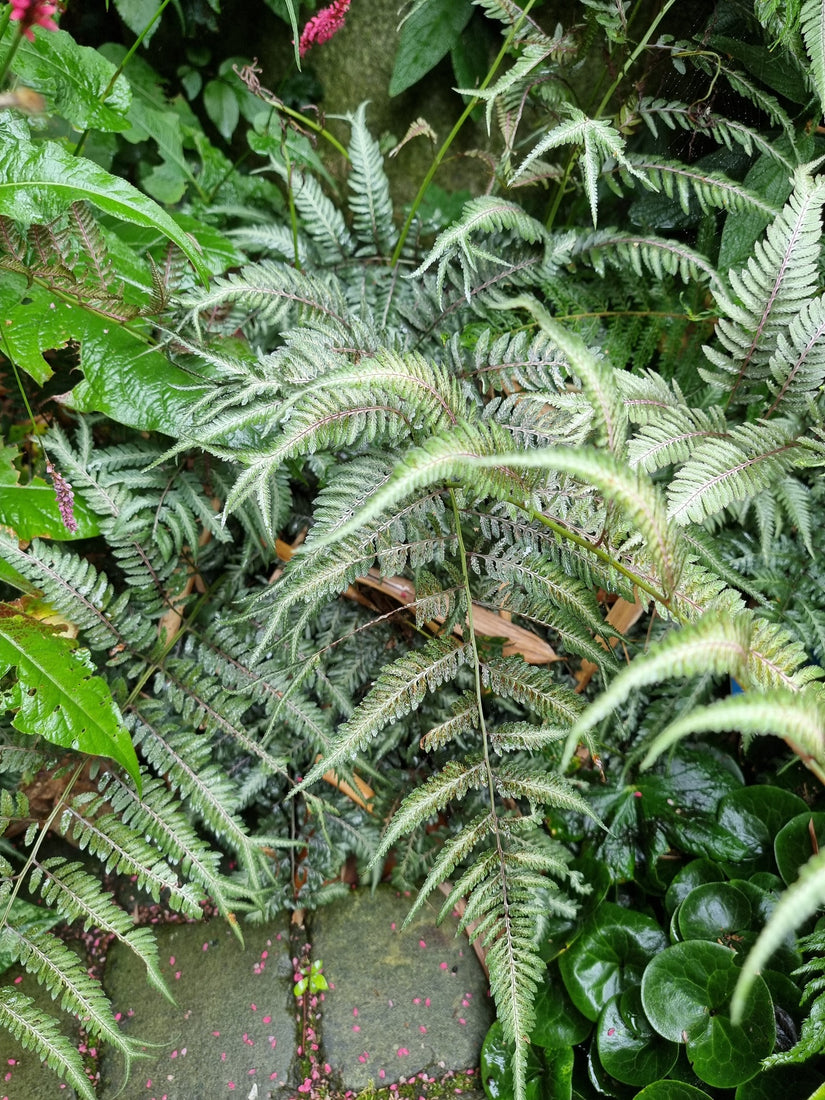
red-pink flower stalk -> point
(65, 497)
(324, 25)
(33, 13)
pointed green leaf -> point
(57, 695)
(38, 181)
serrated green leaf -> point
(74, 81)
(57, 696)
(38, 181)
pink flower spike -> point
(34, 13)
(328, 22)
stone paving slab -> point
(401, 1003)
(232, 1031)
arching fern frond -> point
(36, 1030)
(369, 190)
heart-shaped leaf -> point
(671, 1090)
(714, 911)
(686, 992)
(629, 1049)
(609, 956)
(693, 874)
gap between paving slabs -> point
(405, 1013)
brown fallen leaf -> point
(621, 617)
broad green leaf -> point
(609, 956)
(73, 79)
(222, 106)
(686, 992)
(558, 1022)
(695, 873)
(57, 696)
(136, 14)
(123, 376)
(30, 510)
(427, 36)
(799, 839)
(671, 1090)
(629, 1049)
(714, 911)
(496, 1068)
(38, 181)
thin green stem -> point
(32, 855)
(4, 68)
(453, 134)
(126, 59)
(316, 127)
(471, 637)
(608, 95)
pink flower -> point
(324, 25)
(65, 497)
(33, 13)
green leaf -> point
(136, 14)
(123, 376)
(74, 81)
(57, 696)
(686, 992)
(629, 1049)
(714, 911)
(427, 36)
(38, 181)
(799, 839)
(221, 105)
(693, 874)
(31, 511)
(671, 1090)
(496, 1068)
(609, 956)
(558, 1022)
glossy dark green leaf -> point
(560, 932)
(693, 874)
(496, 1069)
(772, 805)
(682, 802)
(609, 956)
(784, 1081)
(428, 35)
(601, 1083)
(787, 957)
(629, 1049)
(686, 992)
(558, 1022)
(797, 841)
(768, 178)
(671, 1090)
(714, 911)
(38, 181)
(57, 694)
